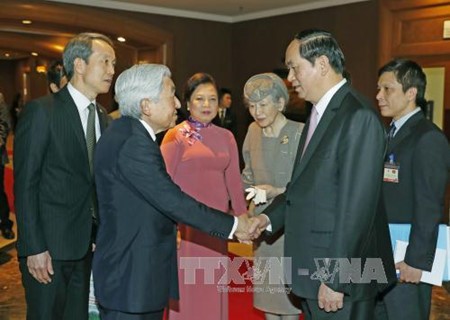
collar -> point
(81, 101)
(149, 129)
(400, 122)
(322, 105)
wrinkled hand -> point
(247, 229)
(259, 224)
(407, 273)
(271, 191)
(40, 267)
(330, 300)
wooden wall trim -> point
(395, 5)
(65, 20)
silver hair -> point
(80, 46)
(141, 81)
(262, 85)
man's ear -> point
(411, 94)
(146, 107)
(323, 64)
(79, 65)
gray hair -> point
(80, 46)
(263, 85)
(141, 81)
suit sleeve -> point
(142, 166)
(430, 176)
(233, 179)
(360, 165)
(30, 144)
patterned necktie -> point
(391, 132)
(90, 143)
(312, 127)
(90, 136)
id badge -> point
(391, 170)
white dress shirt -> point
(82, 103)
(400, 122)
(322, 105)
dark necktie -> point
(90, 144)
(90, 136)
(391, 132)
(222, 116)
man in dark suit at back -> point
(135, 262)
(415, 193)
(54, 183)
(56, 76)
(225, 117)
(329, 208)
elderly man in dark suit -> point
(54, 183)
(415, 194)
(135, 262)
(329, 208)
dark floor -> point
(12, 304)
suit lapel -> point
(102, 118)
(320, 131)
(404, 131)
(73, 117)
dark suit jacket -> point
(329, 208)
(422, 151)
(53, 185)
(135, 262)
(229, 122)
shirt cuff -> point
(269, 226)
(233, 230)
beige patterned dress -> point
(270, 160)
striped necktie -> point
(391, 132)
(90, 136)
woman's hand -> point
(271, 191)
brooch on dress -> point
(284, 140)
(191, 134)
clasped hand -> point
(40, 267)
(249, 229)
(330, 300)
(408, 274)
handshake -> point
(249, 229)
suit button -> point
(288, 202)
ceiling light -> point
(7, 55)
(34, 54)
(27, 21)
(121, 39)
(41, 69)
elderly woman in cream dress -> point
(269, 152)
